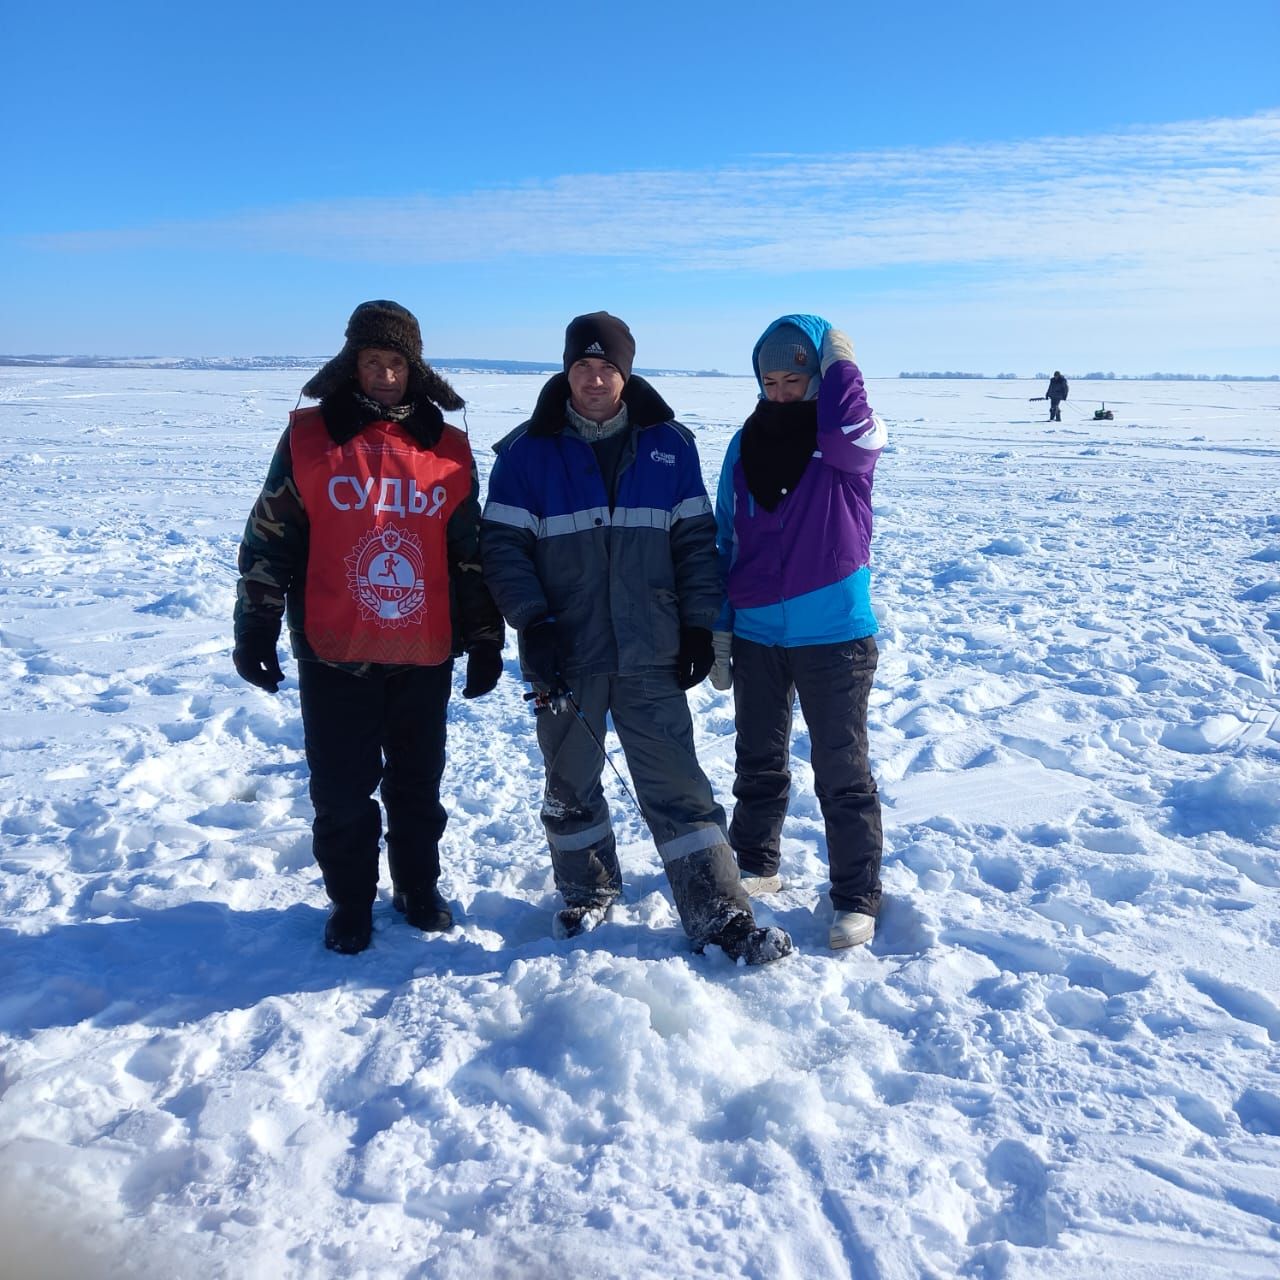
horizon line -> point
(489, 364)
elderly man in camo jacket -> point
(366, 538)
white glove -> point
(835, 346)
(722, 668)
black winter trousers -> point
(834, 684)
(364, 732)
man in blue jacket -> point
(598, 544)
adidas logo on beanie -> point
(600, 336)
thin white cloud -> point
(1203, 195)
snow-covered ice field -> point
(1057, 1059)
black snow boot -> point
(424, 908)
(741, 939)
(349, 928)
(572, 922)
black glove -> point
(696, 657)
(484, 666)
(255, 659)
(542, 654)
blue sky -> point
(981, 186)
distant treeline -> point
(1173, 377)
(1110, 377)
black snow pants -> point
(388, 728)
(834, 684)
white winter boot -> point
(851, 929)
(758, 886)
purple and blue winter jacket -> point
(800, 575)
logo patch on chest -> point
(384, 572)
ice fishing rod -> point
(563, 700)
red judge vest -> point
(377, 586)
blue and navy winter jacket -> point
(622, 582)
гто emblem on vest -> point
(384, 573)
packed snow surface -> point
(1058, 1058)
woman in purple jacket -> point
(793, 511)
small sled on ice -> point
(1104, 414)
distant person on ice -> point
(599, 547)
(793, 512)
(367, 537)
(1056, 394)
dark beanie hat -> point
(599, 336)
(389, 327)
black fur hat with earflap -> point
(389, 327)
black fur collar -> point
(346, 416)
(645, 407)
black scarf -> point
(777, 442)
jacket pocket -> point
(664, 623)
